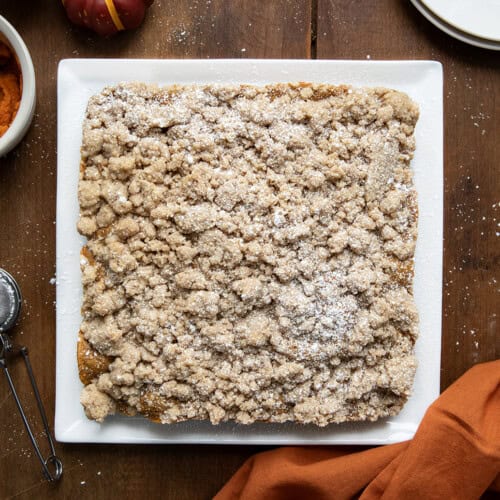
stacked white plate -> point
(476, 22)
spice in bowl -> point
(10, 87)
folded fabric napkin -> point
(455, 454)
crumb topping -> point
(250, 252)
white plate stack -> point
(476, 22)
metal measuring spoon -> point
(10, 308)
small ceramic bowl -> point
(24, 116)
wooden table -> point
(336, 29)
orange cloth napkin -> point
(455, 454)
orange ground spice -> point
(10, 87)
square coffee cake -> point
(250, 253)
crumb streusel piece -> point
(250, 253)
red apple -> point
(107, 17)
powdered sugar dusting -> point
(250, 252)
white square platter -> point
(78, 79)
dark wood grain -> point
(381, 29)
(393, 29)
